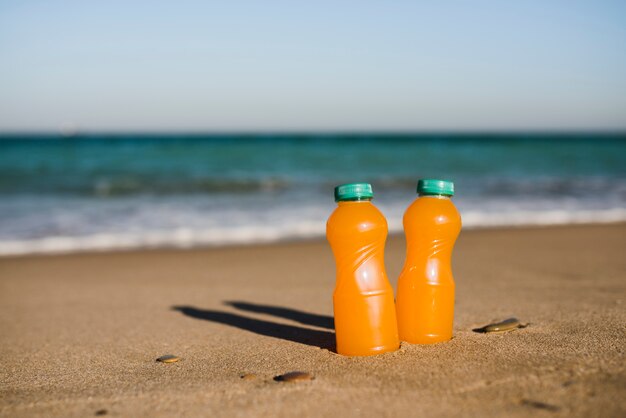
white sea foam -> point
(550, 217)
(281, 229)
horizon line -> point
(312, 132)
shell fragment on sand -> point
(168, 358)
(540, 405)
(294, 377)
(508, 324)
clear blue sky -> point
(322, 65)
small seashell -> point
(507, 325)
(294, 377)
(539, 405)
(168, 358)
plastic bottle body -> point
(365, 315)
(425, 299)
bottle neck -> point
(436, 196)
(355, 200)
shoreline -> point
(289, 241)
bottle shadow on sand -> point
(305, 318)
(302, 335)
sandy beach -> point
(80, 333)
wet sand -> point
(79, 334)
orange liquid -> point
(425, 300)
(365, 315)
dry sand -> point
(80, 333)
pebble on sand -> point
(540, 405)
(294, 377)
(168, 358)
(508, 324)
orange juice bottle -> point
(425, 299)
(365, 315)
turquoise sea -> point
(97, 191)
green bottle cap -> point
(435, 187)
(353, 191)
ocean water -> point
(98, 192)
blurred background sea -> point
(100, 192)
